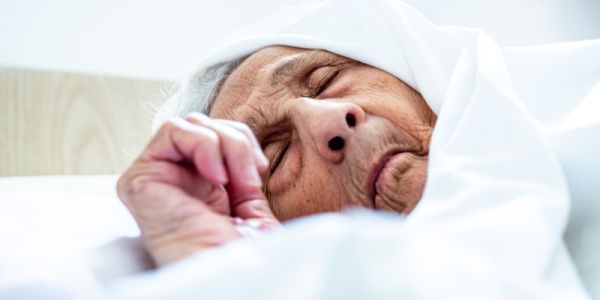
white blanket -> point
(64, 237)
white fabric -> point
(64, 237)
(513, 150)
(560, 84)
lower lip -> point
(397, 164)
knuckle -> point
(137, 186)
(122, 187)
(191, 131)
(159, 169)
(139, 182)
(170, 125)
(136, 180)
(239, 141)
(244, 127)
(208, 136)
(195, 116)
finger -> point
(256, 209)
(238, 153)
(261, 159)
(158, 171)
(214, 196)
(178, 140)
(159, 208)
(238, 188)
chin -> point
(402, 188)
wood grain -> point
(62, 123)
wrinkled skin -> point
(306, 106)
(336, 133)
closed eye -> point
(326, 82)
(276, 144)
(279, 156)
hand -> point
(194, 176)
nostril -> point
(350, 120)
(336, 143)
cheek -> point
(413, 104)
(288, 172)
(407, 111)
(314, 192)
(387, 95)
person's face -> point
(337, 132)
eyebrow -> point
(288, 67)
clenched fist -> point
(197, 180)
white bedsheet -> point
(360, 256)
(68, 237)
(75, 212)
(64, 236)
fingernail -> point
(256, 224)
(247, 231)
(237, 221)
(252, 176)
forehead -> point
(275, 62)
(237, 87)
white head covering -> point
(389, 35)
(494, 181)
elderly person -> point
(342, 104)
(325, 131)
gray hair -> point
(197, 93)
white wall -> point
(162, 39)
(151, 39)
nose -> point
(327, 125)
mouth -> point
(375, 172)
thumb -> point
(253, 205)
(248, 202)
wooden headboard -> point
(63, 123)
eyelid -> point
(280, 156)
(328, 81)
(321, 78)
(277, 136)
